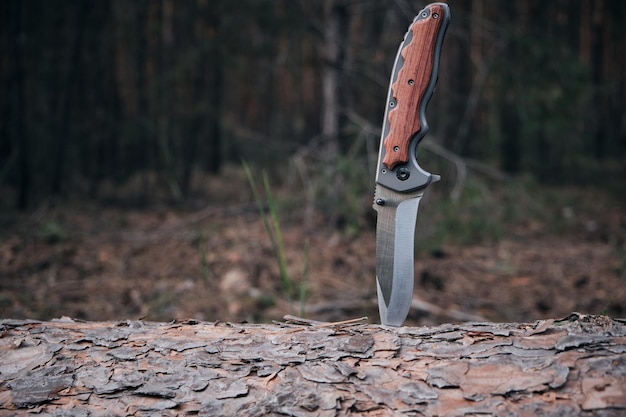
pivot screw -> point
(403, 174)
(380, 202)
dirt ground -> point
(107, 263)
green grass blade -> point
(303, 279)
(259, 202)
(273, 228)
(279, 247)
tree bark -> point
(573, 366)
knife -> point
(400, 181)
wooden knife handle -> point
(415, 81)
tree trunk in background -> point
(215, 97)
(145, 153)
(598, 43)
(20, 134)
(345, 61)
(71, 80)
(458, 72)
(510, 148)
(164, 96)
(192, 128)
(330, 80)
(509, 117)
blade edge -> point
(395, 241)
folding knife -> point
(400, 181)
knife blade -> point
(400, 181)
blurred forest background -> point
(132, 105)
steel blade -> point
(395, 240)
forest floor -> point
(107, 262)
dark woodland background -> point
(124, 124)
(96, 92)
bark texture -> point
(572, 366)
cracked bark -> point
(572, 366)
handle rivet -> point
(396, 149)
(380, 202)
(435, 15)
(411, 82)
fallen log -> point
(572, 366)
